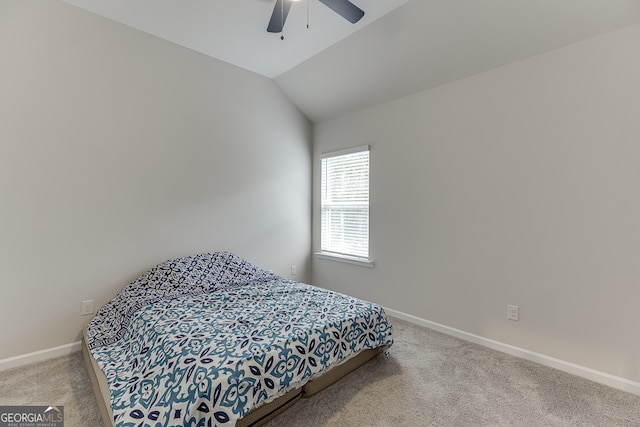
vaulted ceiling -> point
(399, 47)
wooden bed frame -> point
(257, 416)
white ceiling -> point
(235, 31)
(398, 48)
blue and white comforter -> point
(200, 341)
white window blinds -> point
(345, 203)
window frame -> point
(338, 256)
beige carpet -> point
(429, 379)
(57, 382)
(432, 379)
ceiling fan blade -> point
(279, 15)
(346, 9)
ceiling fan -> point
(344, 8)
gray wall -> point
(518, 186)
(118, 151)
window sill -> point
(363, 262)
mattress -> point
(256, 416)
(213, 339)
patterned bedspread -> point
(202, 340)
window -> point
(345, 204)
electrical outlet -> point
(294, 270)
(87, 307)
(513, 312)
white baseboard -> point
(572, 368)
(39, 356)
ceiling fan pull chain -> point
(307, 14)
(282, 19)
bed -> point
(211, 339)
